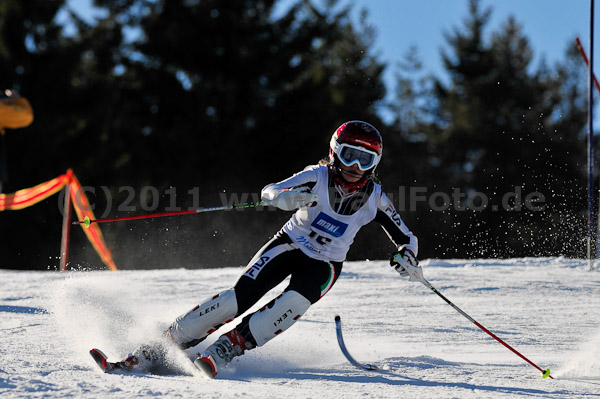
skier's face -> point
(351, 174)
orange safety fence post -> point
(94, 234)
(75, 196)
(66, 225)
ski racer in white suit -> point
(332, 201)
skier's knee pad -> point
(191, 328)
(277, 316)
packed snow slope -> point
(547, 309)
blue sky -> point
(550, 25)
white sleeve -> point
(305, 178)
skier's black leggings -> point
(277, 260)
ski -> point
(206, 366)
(131, 362)
(102, 362)
(340, 338)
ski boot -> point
(221, 352)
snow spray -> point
(585, 363)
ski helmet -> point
(355, 143)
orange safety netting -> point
(31, 196)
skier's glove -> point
(405, 263)
(294, 198)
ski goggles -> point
(363, 158)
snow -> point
(545, 308)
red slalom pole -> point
(587, 63)
(87, 221)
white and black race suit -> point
(312, 245)
(326, 231)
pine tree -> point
(499, 129)
(207, 95)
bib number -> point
(319, 238)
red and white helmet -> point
(356, 142)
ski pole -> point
(87, 221)
(416, 274)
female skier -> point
(333, 200)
